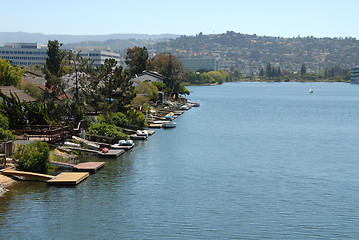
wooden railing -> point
(49, 132)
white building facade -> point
(195, 64)
(27, 54)
(24, 54)
(98, 54)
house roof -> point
(34, 77)
(152, 74)
(60, 96)
(6, 90)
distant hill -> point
(66, 39)
(250, 52)
(117, 45)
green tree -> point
(54, 67)
(107, 130)
(269, 70)
(114, 84)
(9, 75)
(147, 89)
(136, 59)
(82, 69)
(171, 68)
(303, 70)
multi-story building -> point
(98, 54)
(24, 54)
(354, 77)
(27, 54)
(195, 64)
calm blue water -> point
(255, 161)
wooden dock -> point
(88, 166)
(81, 167)
(68, 178)
(136, 137)
(28, 175)
(112, 153)
(155, 125)
(65, 178)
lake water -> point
(255, 161)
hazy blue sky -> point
(285, 18)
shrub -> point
(136, 118)
(33, 157)
(6, 135)
(119, 119)
(4, 122)
(107, 130)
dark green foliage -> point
(21, 113)
(115, 85)
(303, 70)
(107, 130)
(54, 67)
(119, 119)
(136, 59)
(33, 157)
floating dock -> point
(81, 167)
(136, 137)
(88, 166)
(112, 153)
(68, 178)
(155, 125)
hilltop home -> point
(149, 76)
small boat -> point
(141, 133)
(196, 104)
(169, 125)
(185, 107)
(170, 115)
(123, 144)
(310, 89)
(71, 144)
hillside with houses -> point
(251, 52)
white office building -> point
(24, 54)
(195, 64)
(98, 54)
(27, 54)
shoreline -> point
(5, 182)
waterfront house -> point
(149, 76)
